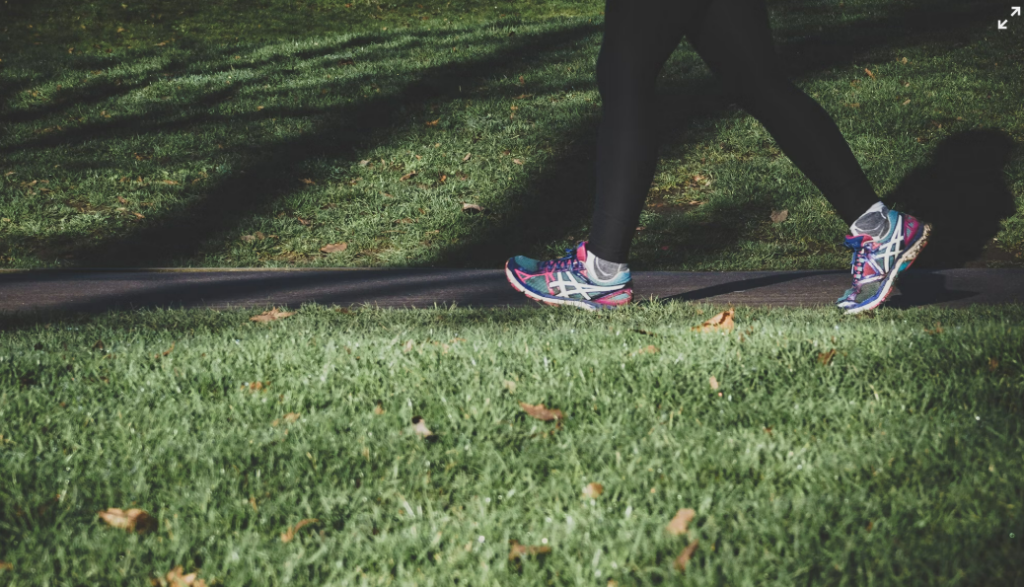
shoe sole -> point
(908, 257)
(539, 298)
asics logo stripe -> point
(565, 284)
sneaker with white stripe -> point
(565, 281)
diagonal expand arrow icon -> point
(1002, 24)
(1016, 11)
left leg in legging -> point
(734, 39)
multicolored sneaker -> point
(878, 262)
(564, 281)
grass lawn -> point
(255, 133)
(895, 460)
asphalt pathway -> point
(101, 290)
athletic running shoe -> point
(564, 281)
(878, 262)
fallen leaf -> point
(443, 178)
(433, 122)
(407, 176)
(6, 566)
(649, 349)
(517, 161)
(131, 520)
(936, 330)
(472, 208)
(868, 71)
(420, 427)
(993, 364)
(255, 386)
(165, 353)
(364, 162)
(853, 105)
(521, 551)
(826, 358)
(721, 321)
(289, 534)
(139, 216)
(540, 412)
(407, 347)
(378, 409)
(904, 60)
(248, 238)
(335, 248)
(169, 182)
(307, 181)
(464, 159)
(271, 315)
(291, 417)
(98, 345)
(176, 579)
(780, 216)
(684, 557)
(713, 382)
(303, 221)
(907, 102)
(121, 200)
(680, 522)
(593, 490)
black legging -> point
(734, 39)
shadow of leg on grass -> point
(962, 193)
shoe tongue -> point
(581, 252)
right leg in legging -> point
(639, 36)
(734, 39)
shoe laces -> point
(566, 263)
(860, 258)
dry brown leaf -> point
(378, 409)
(364, 162)
(289, 534)
(169, 182)
(936, 330)
(779, 216)
(826, 358)
(408, 347)
(176, 579)
(993, 364)
(434, 122)
(721, 321)
(248, 238)
(466, 158)
(868, 71)
(303, 221)
(6, 566)
(472, 208)
(649, 349)
(420, 427)
(520, 551)
(517, 161)
(335, 248)
(121, 200)
(131, 520)
(307, 181)
(714, 382)
(684, 557)
(906, 102)
(291, 417)
(271, 315)
(593, 490)
(680, 522)
(853, 105)
(139, 216)
(407, 176)
(540, 412)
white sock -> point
(874, 222)
(603, 272)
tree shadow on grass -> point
(555, 203)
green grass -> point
(292, 124)
(899, 463)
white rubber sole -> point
(538, 298)
(908, 257)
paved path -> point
(100, 290)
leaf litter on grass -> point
(132, 520)
(289, 534)
(518, 551)
(175, 578)
(419, 426)
(271, 316)
(719, 322)
(680, 522)
(592, 490)
(540, 412)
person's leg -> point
(639, 36)
(734, 38)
